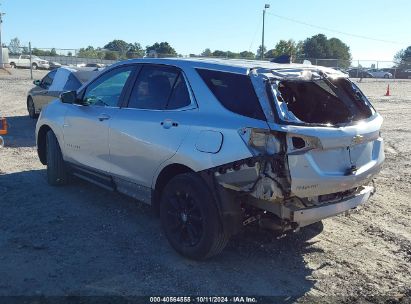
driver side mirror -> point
(68, 97)
(37, 82)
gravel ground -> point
(82, 240)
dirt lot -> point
(82, 240)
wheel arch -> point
(166, 174)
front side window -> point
(107, 89)
(159, 88)
(48, 80)
(234, 91)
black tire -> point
(34, 66)
(190, 218)
(31, 108)
(56, 168)
(386, 76)
(12, 65)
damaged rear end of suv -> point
(215, 145)
(316, 158)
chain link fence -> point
(91, 57)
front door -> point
(86, 125)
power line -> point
(333, 30)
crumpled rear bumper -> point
(307, 216)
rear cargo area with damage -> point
(319, 156)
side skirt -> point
(103, 180)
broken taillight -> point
(263, 141)
(302, 143)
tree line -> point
(315, 47)
(312, 48)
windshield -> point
(320, 101)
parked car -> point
(3, 130)
(54, 65)
(53, 84)
(403, 73)
(216, 144)
(359, 73)
(377, 73)
(95, 65)
(24, 62)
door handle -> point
(168, 123)
(103, 117)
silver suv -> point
(215, 145)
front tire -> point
(190, 218)
(31, 108)
(34, 66)
(12, 65)
(56, 168)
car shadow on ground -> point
(21, 132)
(83, 240)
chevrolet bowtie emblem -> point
(357, 139)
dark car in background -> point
(53, 84)
(359, 73)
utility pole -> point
(31, 63)
(1, 45)
(262, 43)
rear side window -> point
(72, 83)
(159, 88)
(234, 91)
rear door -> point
(152, 125)
(86, 126)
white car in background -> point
(376, 73)
(24, 62)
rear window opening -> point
(322, 101)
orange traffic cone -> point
(388, 91)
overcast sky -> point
(191, 26)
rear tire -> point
(31, 108)
(56, 168)
(386, 76)
(12, 65)
(190, 218)
(34, 66)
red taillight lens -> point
(3, 126)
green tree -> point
(161, 49)
(206, 53)
(88, 52)
(285, 47)
(259, 51)
(316, 47)
(110, 55)
(230, 54)
(403, 58)
(69, 54)
(319, 47)
(247, 55)
(135, 51)
(14, 46)
(119, 46)
(218, 53)
(53, 52)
